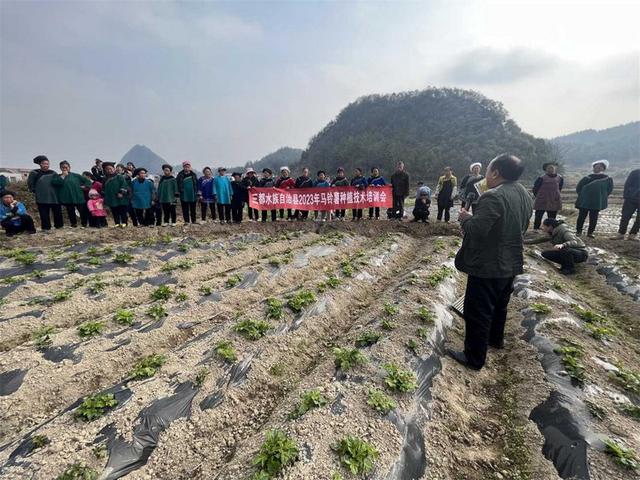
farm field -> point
(300, 351)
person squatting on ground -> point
(593, 193)
(13, 215)
(421, 208)
(492, 255)
(143, 196)
(445, 192)
(375, 180)
(250, 181)
(469, 190)
(340, 180)
(207, 194)
(167, 196)
(546, 190)
(69, 186)
(630, 206)
(224, 194)
(40, 182)
(238, 197)
(97, 212)
(116, 194)
(187, 182)
(400, 190)
(568, 249)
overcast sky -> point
(225, 83)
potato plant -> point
(399, 380)
(225, 350)
(347, 358)
(90, 329)
(78, 471)
(157, 311)
(356, 455)
(380, 401)
(147, 367)
(308, 400)
(163, 292)
(95, 406)
(625, 457)
(122, 257)
(233, 280)
(276, 453)
(252, 329)
(300, 300)
(124, 317)
(275, 309)
(42, 336)
(366, 339)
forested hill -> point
(285, 156)
(619, 144)
(426, 129)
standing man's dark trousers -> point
(188, 211)
(45, 210)
(224, 212)
(537, 220)
(132, 213)
(253, 213)
(26, 225)
(593, 220)
(398, 206)
(485, 314)
(236, 212)
(71, 212)
(273, 215)
(145, 216)
(566, 257)
(629, 207)
(119, 214)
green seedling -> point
(122, 257)
(233, 280)
(541, 308)
(184, 264)
(276, 453)
(321, 287)
(439, 275)
(163, 292)
(599, 332)
(389, 309)
(93, 251)
(25, 258)
(277, 369)
(202, 375)
(595, 410)
(147, 367)
(423, 333)
(426, 315)
(72, 267)
(558, 285)
(301, 299)
(336, 476)
(627, 379)
(90, 329)
(308, 401)
(380, 401)
(106, 251)
(42, 336)
(631, 410)
(181, 297)
(412, 346)
(62, 295)
(346, 358)
(95, 406)
(387, 324)
(100, 451)
(589, 316)
(625, 457)
(157, 311)
(78, 471)
(225, 350)
(36, 274)
(398, 379)
(274, 309)
(252, 329)
(11, 280)
(333, 281)
(570, 356)
(366, 339)
(97, 287)
(124, 317)
(439, 246)
(347, 268)
(39, 441)
(356, 455)
(205, 290)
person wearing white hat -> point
(593, 194)
(285, 182)
(249, 181)
(547, 192)
(468, 188)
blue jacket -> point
(359, 182)
(222, 188)
(8, 212)
(321, 184)
(377, 181)
(142, 193)
(205, 188)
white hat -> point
(603, 162)
(477, 164)
(285, 168)
(250, 170)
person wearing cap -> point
(13, 215)
(116, 194)
(95, 205)
(630, 206)
(40, 182)
(98, 171)
(121, 169)
(267, 182)
(167, 195)
(303, 181)
(445, 193)
(468, 186)
(546, 190)
(400, 190)
(224, 194)
(142, 197)
(375, 180)
(238, 197)
(285, 182)
(70, 188)
(188, 187)
(207, 194)
(593, 194)
(340, 181)
(250, 181)
(96, 185)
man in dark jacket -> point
(400, 184)
(491, 256)
(630, 206)
(98, 172)
(40, 182)
(303, 181)
(250, 181)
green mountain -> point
(285, 156)
(428, 130)
(619, 145)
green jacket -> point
(40, 183)
(167, 189)
(70, 188)
(561, 235)
(114, 185)
(493, 236)
(593, 191)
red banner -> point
(328, 198)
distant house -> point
(15, 174)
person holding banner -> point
(303, 181)
(321, 182)
(360, 183)
(285, 182)
(250, 181)
(375, 180)
(267, 182)
(340, 181)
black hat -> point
(39, 159)
(8, 192)
(236, 174)
(546, 164)
(267, 170)
(64, 162)
(222, 169)
(138, 170)
(319, 172)
(166, 165)
(108, 164)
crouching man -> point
(492, 255)
(13, 215)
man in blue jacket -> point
(13, 215)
